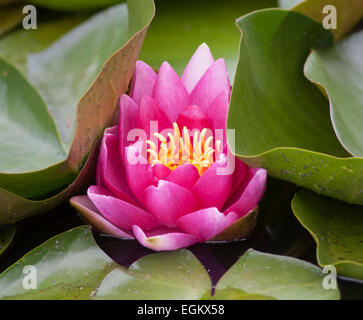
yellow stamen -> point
(179, 150)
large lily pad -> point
(16, 46)
(180, 27)
(169, 275)
(340, 71)
(68, 266)
(337, 228)
(109, 69)
(258, 275)
(282, 120)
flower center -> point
(183, 149)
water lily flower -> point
(160, 172)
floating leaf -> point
(180, 27)
(68, 266)
(282, 121)
(339, 70)
(6, 237)
(16, 46)
(109, 70)
(337, 228)
(258, 275)
(168, 275)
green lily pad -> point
(96, 85)
(72, 266)
(339, 70)
(169, 275)
(29, 137)
(74, 5)
(337, 228)
(10, 18)
(16, 46)
(6, 237)
(180, 27)
(281, 119)
(68, 266)
(258, 275)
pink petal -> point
(164, 239)
(170, 92)
(129, 111)
(150, 111)
(193, 117)
(120, 213)
(111, 130)
(249, 193)
(139, 173)
(240, 170)
(143, 81)
(85, 206)
(110, 168)
(160, 171)
(213, 189)
(185, 175)
(218, 110)
(168, 202)
(213, 82)
(199, 63)
(206, 223)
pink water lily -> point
(167, 187)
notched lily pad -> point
(336, 227)
(80, 123)
(258, 275)
(68, 266)
(339, 70)
(281, 119)
(167, 275)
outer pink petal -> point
(143, 81)
(164, 239)
(129, 111)
(214, 81)
(218, 110)
(212, 189)
(120, 213)
(168, 202)
(170, 92)
(150, 111)
(206, 223)
(111, 169)
(199, 63)
(193, 117)
(185, 175)
(93, 216)
(249, 193)
(240, 170)
(140, 174)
